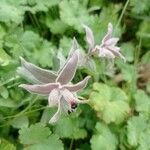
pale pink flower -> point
(56, 86)
(107, 47)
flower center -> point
(73, 105)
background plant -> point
(118, 114)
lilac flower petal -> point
(74, 47)
(68, 72)
(78, 86)
(112, 41)
(56, 116)
(53, 98)
(89, 37)
(106, 53)
(115, 50)
(109, 33)
(39, 88)
(40, 74)
(27, 75)
(68, 96)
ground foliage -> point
(118, 113)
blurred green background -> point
(118, 115)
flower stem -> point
(122, 13)
(71, 144)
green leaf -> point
(10, 13)
(65, 44)
(52, 143)
(6, 145)
(56, 26)
(7, 103)
(72, 17)
(139, 7)
(45, 54)
(4, 92)
(20, 122)
(38, 5)
(30, 40)
(144, 33)
(146, 58)
(144, 141)
(110, 103)
(68, 127)
(148, 87)
(103, 139)
(136, 129)
(128, 71)
(4, 58)
(34, 134)
(142, 101)
(127, 50)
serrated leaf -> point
(20, 122)
(4, 58)
(142, 101)
(10, 13)
(30, 40)
(128, 51)
(34, 134)
(7, 103)
(72, 17)
(52, 143)
(144, 6)
(128, 71)
(4, 92)
(6, 145)
(136, 129)
(65, 44)
(56, 26)
(38, 5)
(144, 33)
(47, 51)
(103, 139)
(110, 103)
(70, 128)
(146, 58)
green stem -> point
(122, 13)
(71, 144)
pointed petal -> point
(27, 75)
(108, 34)
(89, 37)
(53, 98)
(74, 47)
(40, 74)
(112, 42)
(106, 53)
(116, 51)
(57, 114)
(68, 71)
(68, 96)
(74, 88)
(40, 89)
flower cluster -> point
(57, 86)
